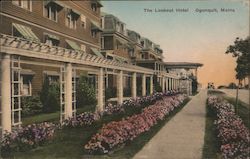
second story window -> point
(25, 4)
(51, 9)
(71, 18)
(93, 33)
(94, 7)
(51, 40)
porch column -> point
(151, 85)
(134, 85)
(100, 102)
(68, 93)
(143, 85)
(163, 84)
(170, 83)
(166, 83)
(175, 84)
(120, 87)
(190, 87)
(6, 93)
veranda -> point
(19, 54)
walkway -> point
(243, 94)
(182, 137)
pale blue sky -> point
(191, 36)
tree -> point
(232, 85)
(241, 50)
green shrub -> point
(110, 92)
(50, 96)
(31, 105)
(85, 92)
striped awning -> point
(73, 45)
(47, 2)
(51, 73)
(52, 36)
(96, 52)
(27, 72)
(26, 32)
(95, 26)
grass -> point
(49, 117)
(211, 148)
(242, 110)
(69, 142)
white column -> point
(6, 93)
(170, 83)
(175, 84)
(100, 102)
(143, 85)
(134, 85)
(173, 80)
(120, 87)
(190, 87)
(151, 85)
(68, 93)
(166, 83)
(163, 84)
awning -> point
(26, 32)
(99, 4)
(96, 52)
(73, 45)
(52, 36)
(47, 2)
(95, 26)
(27, 72)
(75, 12)
(119, 59)
(51, 73)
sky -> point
(190, 36)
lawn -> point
(211, 149)
(69, 142)
(49, 117)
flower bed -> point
(27, 137)
(115, 134)
(88, 118)
(233, 134)
(34, 135)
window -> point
(94, 7)
(51, 40)
(53, 79)
(93, 33)
(25, 4)
(83, 47)
(71, 20)
(102, 42)
(50, 11)
(26, 87)
(83, 21)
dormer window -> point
(71, 18)
(51, 9)
(94, 7)
(25, 4)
